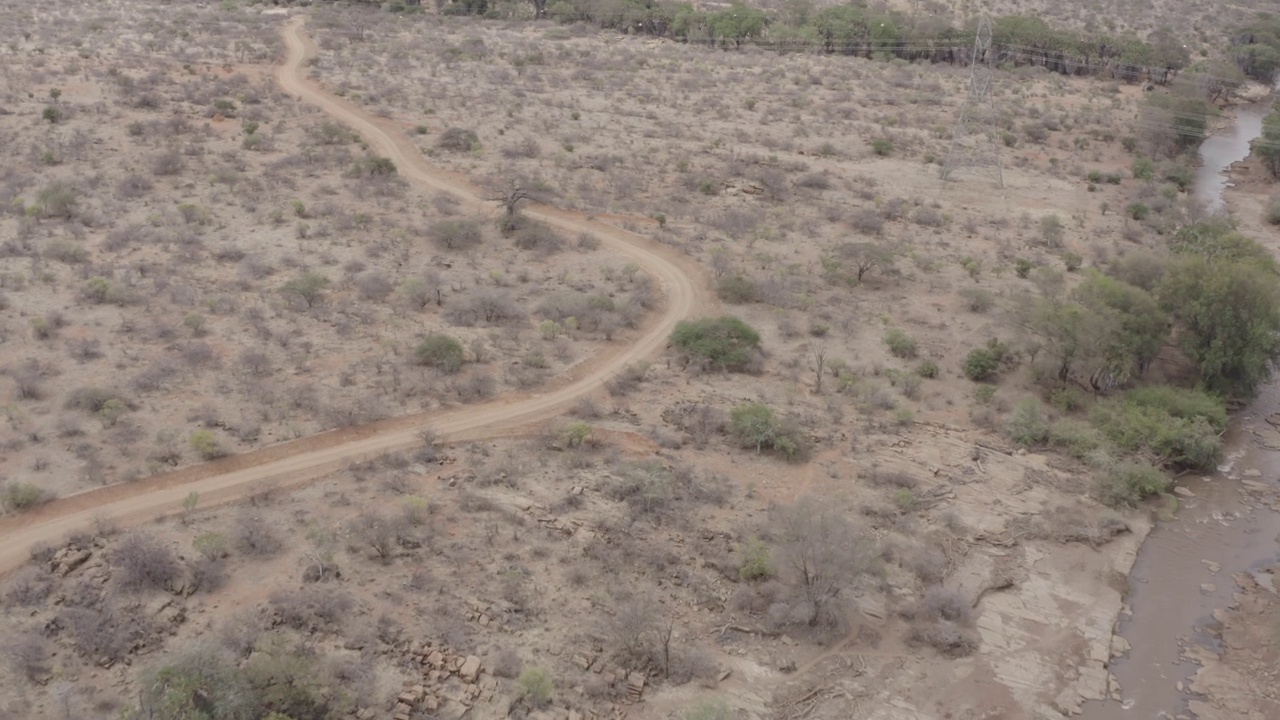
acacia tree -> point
(824, 552)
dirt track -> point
(294, 463)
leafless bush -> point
(867, 222)
(538, 237)
(891, 478)
(628, 379)
(144, 563)
(485, 306)
(29, 586)
(373, 285)
(253, 535)
(167, 163)
(928, 217)
(457, 139)
(133, 186)
(28, 655)
(949, 639)
(311, 609)
(456, 234)
(942, 603)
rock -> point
(470, 669)
(582, 661)
(1252, 473)
(1213, 566)
(1184, 492)
(435, 659)
(1209, 587)
(71, 559)
(1119, 646)
(431, 704)
(407, 698)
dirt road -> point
(290, 464)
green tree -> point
(442, 352)
(308, 287)
(1228, 320)
(198, 684)
(726, 342)
(1267, 145)
(754, 425)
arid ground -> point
(337, 346)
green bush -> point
(1127, 484)
(1023, 267)
(535, 686)
(736, 289)
(900, 344)
(983, 363)
(206, 445)
(1077, 438)
(725, 342)
(977, 299)
(458, 140)
(754, 425)
(1027, 424)
(1137, 211)
(927, 369)
(711, 709)
(756, 563)
(1180, 427)
(442, 352)
(1072, 261)
(455, 234)
(18, 496)
(882, 147)
(1273, 213)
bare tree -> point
(818, 352)
(376, 531)
(823, 550)
(143, 562)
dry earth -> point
(539, 551)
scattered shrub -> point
(457, 140)
(535, 686)
(756, 561)
(1027, 424)
(900, 344)
(206, 445)
(927, 369)
(1127, 484)
(736, 289)
(977, 299)
(18, 496)
(754, 425)
(456, 234)
(142, 562)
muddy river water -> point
(1224, 524)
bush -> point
(711, 709)
(455, 234)
(458, 140)
(1137, 211)
(977, 299)
(756, 563)
(1075, 437)
(1273, 213)
(725, 342)
(981, 364)
(882, 147)
(535, 686)
(754, 425)
(1027, 425)
(1180, 427)
(143, 562)
(18, 496)
(206, 445)
(927, 369)
(1023, 267)
(442, 352)
(1127, 484)
(736, 289)
(900, 344)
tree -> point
(755, 425)
(456, 234)
(1267, 145)
(818, 351)
(198, 684)
(291, 679)
(859, 258)
(442, 352)
(309, 287)
(1227, 316)
(376, 531)
(725, 342)
(822, 549)
(535, 687)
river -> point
(1223, 526)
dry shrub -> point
(254, 536)
(144, 563)
(311, 609)
(949, 639)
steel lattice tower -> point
(976, 143)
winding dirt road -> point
(298, 462)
